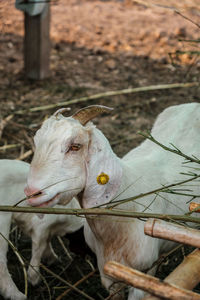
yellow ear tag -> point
(102, 178)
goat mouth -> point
(50, 202)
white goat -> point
(73, 153)
(12, 182)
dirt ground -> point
(97, 46)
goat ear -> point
(88, 113)
(101, 159)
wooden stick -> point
(5, 147)
(73, 287)
(148, 283)
(64, 248)
(76, 284)
(4, 122)
(111, 93)
(97, 212)
(186, 275)
(173, 232)
(25, 155)
(194, 207)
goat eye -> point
(75, 147)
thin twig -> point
(21, 262)
(64, 248)
(29, 139)
(161, 189)
(76, 284)
(67, 283)
(189, 41)
(116, 292)
(6, 147)
(36, 194)
(41, 276)
(189, 52)
(163, 258)
(25, 155)
(88, 261)
(171, 202)
(4, 122)
(188, 19)
(111, 93)
(176, 150)
(148, 207)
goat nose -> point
(29, 191)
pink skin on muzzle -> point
(39, 198)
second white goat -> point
(12, 182)
(73, 153)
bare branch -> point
(176, 150)
(161, 189)
(111, 93)
(100, 212)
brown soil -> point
(97, 46)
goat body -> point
(12, 182)
(145, 168)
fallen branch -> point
(73, 287)
(25, 155)
(186, 275)
(12, 146)
(148, 283)
(111, 93)
(76, 284)
(172, 232)
(4, 122)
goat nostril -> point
(32, 192)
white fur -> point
(143, 169)
(13, 175)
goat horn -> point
(88, 113)
(61, 110)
